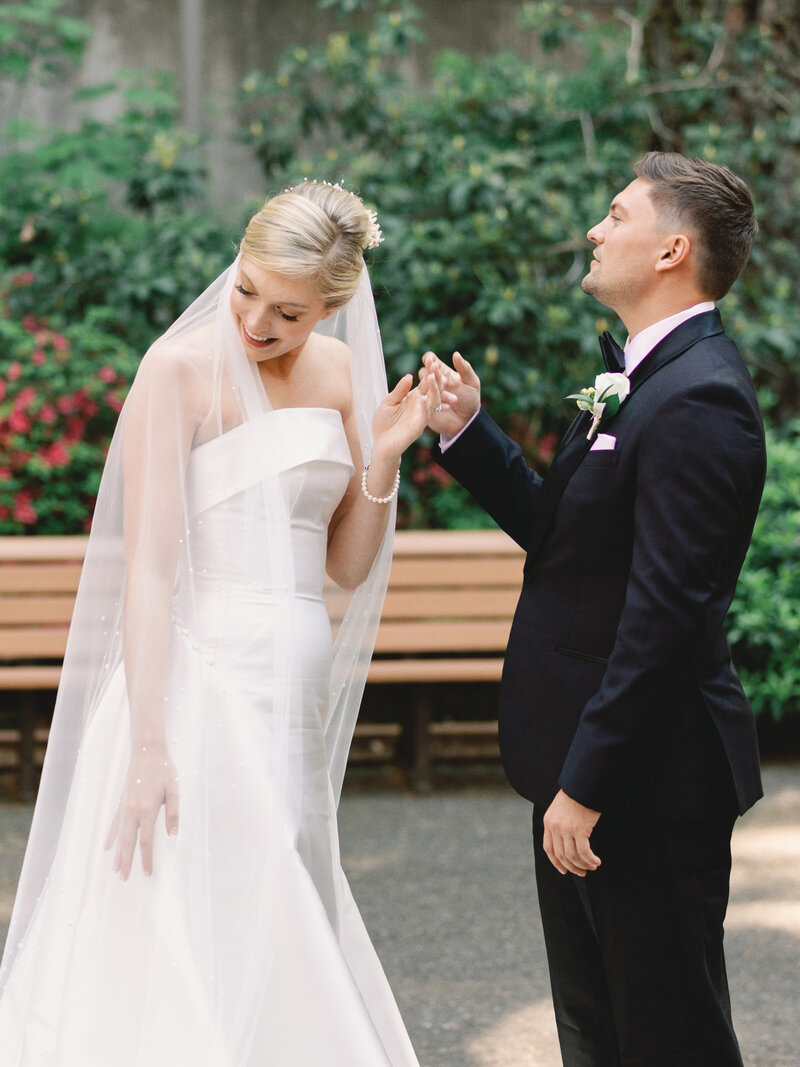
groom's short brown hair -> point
(714, 203)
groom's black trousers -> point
(635, 948)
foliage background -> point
(486, 175)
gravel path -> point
(446, 888)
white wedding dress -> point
(245, 948)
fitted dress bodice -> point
(235, 599)
(307, 449)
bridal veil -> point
(141, 577)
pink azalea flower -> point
(75, 428)
(25, 397)
(39, 357)
(56, 455)
(107, 374)
(14, 371)
(439, 474)
(19, 422)
(24, 510)
(547, 446)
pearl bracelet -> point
(379, 499)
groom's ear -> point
(675, 250)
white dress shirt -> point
(642, 344)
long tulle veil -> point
(194, 385)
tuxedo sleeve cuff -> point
(457, 454)
(445, 442)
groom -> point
(621, 715)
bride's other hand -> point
(404, 414)
(152, 784)
(460, 389)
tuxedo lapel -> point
(575, 445)
(580, 422)
(675, 344)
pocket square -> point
(604, 442)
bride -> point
(182, 900)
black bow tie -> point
(613, 356)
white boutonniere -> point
(603, 398)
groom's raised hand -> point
(460, 393)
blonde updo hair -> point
(314, 230)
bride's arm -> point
(358, 524)
(159, 423)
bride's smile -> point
(274, 314)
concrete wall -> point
(211, 44)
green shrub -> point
(111, 215)
(37, 41)
(764, 622)
(487, 177)
(105, 237)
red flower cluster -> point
(428, 473)
(58, 408)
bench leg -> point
(421, 740)
(27, 769)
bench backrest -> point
(449, 591)
(38, 581)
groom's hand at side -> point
(460, 393)
(567, 828)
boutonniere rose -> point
(603, 398)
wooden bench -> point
(446, 619)
(38, 581)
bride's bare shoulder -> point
(179, 367)
(330, 367)
(185, 353)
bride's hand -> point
(404, 414)
(152, 784)
(460, 387)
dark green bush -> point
(105, 236)
(487, 177)
(765, 618)
(110, 215)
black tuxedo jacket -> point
(618, 684)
